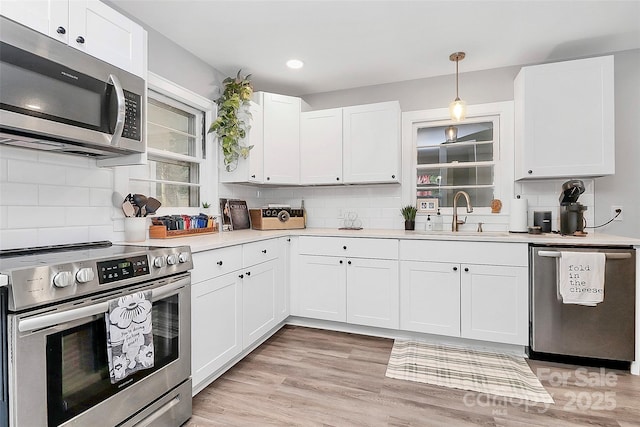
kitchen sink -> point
(464, 233)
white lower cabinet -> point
(372, 292)
(322, 288)
(259, 284)
(216, 313)
(351, 280)
(430, 297)
(494, 303)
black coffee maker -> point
(571, 212)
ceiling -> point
(347, 44)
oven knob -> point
(172, 259)
(159, 262)
(183, 257)
(85, 275)
(63, 279)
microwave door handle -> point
(117, 132)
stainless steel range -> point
(59, 372)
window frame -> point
(500, 112)
(208, 177)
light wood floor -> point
(311, 377)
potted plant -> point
(232, 123)
(409, 214)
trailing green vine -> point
(232, 123)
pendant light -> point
(458, 108)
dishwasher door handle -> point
(608, 255)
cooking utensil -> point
(116, 199)
(152, 205)
(128, 209)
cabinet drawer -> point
(264, 250)
(492, 253)
(214, 263)
(349, 247)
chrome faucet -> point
(456, 222)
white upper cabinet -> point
(564, 119)
(100, 31)
(251, 168)
(281, 129)
(321, 147)
(88, 25)
(50, 17)
(371, 143)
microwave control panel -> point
(132, 116)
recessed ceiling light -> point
(295, 64)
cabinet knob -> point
(455, 268)
(219, 262)
(466, 269)
(80, 40)
(61, 30)
(529, 171)
(349, 262)
(264, 251)
(337, 178)
(253, 176)
(268, 178)
(248, 273)
(393, 176)
(341, 261)
(288, 239)
(241, 276)
(344, 247)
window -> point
(180, 171)
(478, 159)
(450, 158)
(175, 147)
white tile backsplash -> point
(48, 198)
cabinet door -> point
(50, 17)
(251, 168)
(281, 139)
(216, 332)
(321, 147)
(494, 303)
(102, 32)
(373, 292)
(259, 300)
(284, 279)
(371, 143)
(321, 288)
(430, 297)
(565, 119)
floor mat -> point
(465, 369)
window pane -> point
(171, 194)
(476, 175)
(430, 136)
(178, 195)
(170, 129)
(479, 196)
(455, 152)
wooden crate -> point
(161, 232)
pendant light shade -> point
(457, 108)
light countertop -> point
(230, 238)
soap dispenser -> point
(429, 225)
(437, 222)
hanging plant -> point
(232, 123)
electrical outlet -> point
(614, 213)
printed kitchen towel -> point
(581, 277)
(129, 335)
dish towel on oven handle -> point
(581, 277)
(129, 335)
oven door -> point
(59, 374)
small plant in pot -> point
(232, 123)
(409, 213)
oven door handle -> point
(608, 255)
(47, 320)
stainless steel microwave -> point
(54, 97)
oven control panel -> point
(121, 269)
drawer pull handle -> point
(61, 30)
(241, 276)
(349, 262)
(341, 261)
(264, 251)
(466, 269)
(248, 273)
(80, 40)
(219, 262)
(344, 247)
(455, 268)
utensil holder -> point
(135, 229)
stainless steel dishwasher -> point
(606, 331)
